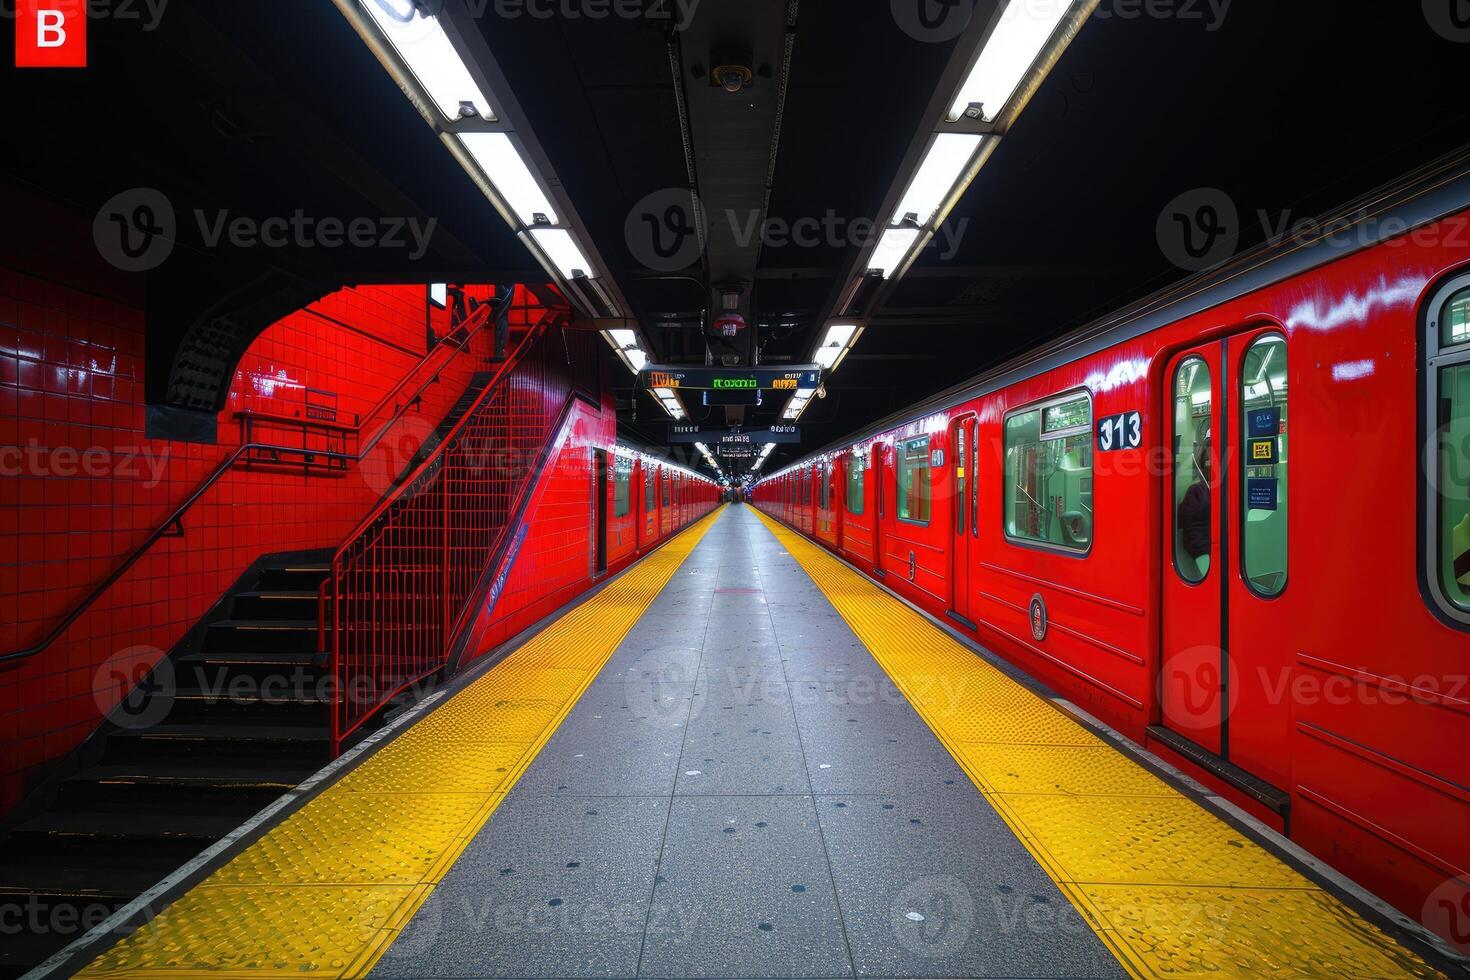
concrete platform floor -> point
(743, 792)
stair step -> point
(182, 788)
(280, 702)
(77, 882)
(276, 604)
(219, 742)
(306, 575)
(246, 635)
(215, 670)
(133, 827)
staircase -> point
(457, 411)
(239, 714)
(242, 720)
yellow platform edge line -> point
(629, 596)
(822, 567)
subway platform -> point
(742, 759)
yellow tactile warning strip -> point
(326, 891)
(1169, 888)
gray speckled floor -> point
(742, 793)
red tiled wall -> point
(86, 487)
(554, 563)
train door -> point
(962, 434)
(837, 482)
(1225, 546)
(600, 463)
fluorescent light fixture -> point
(702, 448)
(827, 356)
(439, 294)
(636, 358)
(563, 250)
(623, 338)
(1021, 35)
(839, 334)
(664, 392)
(503, 166)
(422, 45)
(944, 163)
(893, 248)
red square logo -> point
(51, 34)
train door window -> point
(913, 481)
(961, 457)
(975, 479)
(857, 473)
(1193, 519)
(1263, 497)
(1048, 474)
(1455, 329)
(668, 487)
(650, 489)
(1448, 489)
(622, 486)
(824, 489)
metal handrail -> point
(175, 519)
(429, 461)
(390, 636)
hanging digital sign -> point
(783, 434)
(802, 376)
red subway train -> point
(1233, 522)
(646, 499)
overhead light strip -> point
(1022, 44)
(425, 59)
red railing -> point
(400, 585)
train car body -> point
(641, 504)
(1233, 525)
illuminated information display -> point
(725, 437)
(803, 376)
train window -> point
(824, 489)
(913, 481)
(1263, 427)
(1455, 326)
(961, 454)
(650, 490)
(1447, 493)
(1454, 507)
(857, 473)
(1193, 525)
(668, 485)
(622, 486)
(1048, 477)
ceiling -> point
(1287, 107)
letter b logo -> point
(51, 34)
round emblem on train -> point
(1038, 618)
